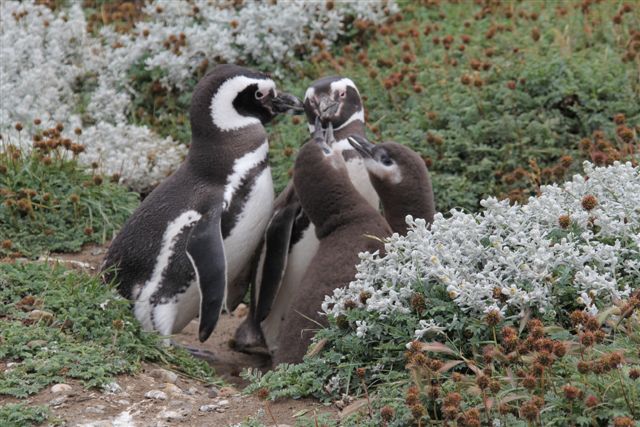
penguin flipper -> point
(206, 252)
(277, 242)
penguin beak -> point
(320, 136)
(287, 103)
(361, 145)
(326, 107)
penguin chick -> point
(290, 241)
(401, 179)
(185, 251)
(344, 222)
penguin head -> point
(334, 100)
(321, 150)
(231, 97)
(401, 179)
(390, 165)
(318, 164)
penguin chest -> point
(247, 213)
(358, 172)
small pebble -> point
(223, 403)
(58, 401)
(172, 415)
(156, 395)
(112, 388)
(98, 409)
(192, 391)
(164, 375)
(208, 408)
(172, 388)
(61, 388)
(213, 392)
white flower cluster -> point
(511, 257)
(45, 55)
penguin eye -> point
(343, 94)
(386, 160)
(261, 94)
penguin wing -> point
(206, 252)
(276, 252)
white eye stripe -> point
(224, 114)
(342, 85)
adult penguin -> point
(185, 251)
(290, 240)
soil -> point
(185, 400)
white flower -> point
(361, 328)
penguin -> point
(344, 222)
(290, 242)
(185, 251)
(402, 181)
(400, 178)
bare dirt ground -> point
(156, 397)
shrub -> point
(49, 202)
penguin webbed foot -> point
(249, 339)
(196, 352)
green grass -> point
(58, 324)
(51, 203)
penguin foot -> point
(197, 352)
(249, 339)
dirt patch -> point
(156, 397)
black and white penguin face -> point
(236, 98)
(334, 100)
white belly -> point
(358, 174)
(297, 264)
(243, 239)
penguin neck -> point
(328, 196)
(397, 203)
(214, 152)
(355, 127)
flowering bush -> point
(576, 247)
(577, 243)
(55, 70)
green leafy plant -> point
(57, 324)
(50, 202)
(19, 414)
